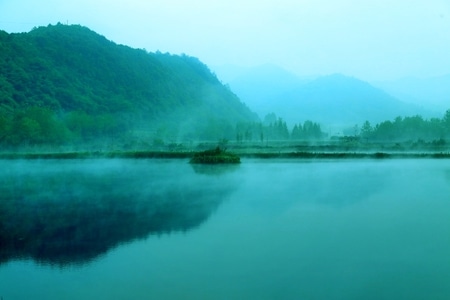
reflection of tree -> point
(214, 169)
(73, 216)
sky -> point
(374, 40)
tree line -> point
(274, 128)
(41, 126)
(35, 125)
(408, 129)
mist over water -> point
(70, 212)
(293, 229)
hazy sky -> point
(369, 39)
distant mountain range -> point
(432, 93)
(335, 100)
(261, 85)
(341, 100)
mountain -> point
(341, 100)
(267, 80)
(432, 92)
(334, 100)
(228, 72)
(258, 86)
(90, 83)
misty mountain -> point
(267, 74)
(260, 85)
(270, 80)
(228, 72)
(334, 100)
(432, 93)
(79, 74)
(341, 100)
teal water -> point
(157, 229)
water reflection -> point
(278, 185)
(447, 175)
(71, 212)
(211, 169)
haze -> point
(373, 40)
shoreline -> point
(258, 155)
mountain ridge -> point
(432, 92)
(70, 68)
(333, 100)
(346, 100)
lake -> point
(265, 229)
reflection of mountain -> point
(71, 212)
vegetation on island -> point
(215, 156)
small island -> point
(215, 156)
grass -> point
(215, 156)
(347, 155)
(97, 154)
(208, 153)
(205, 158)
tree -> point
(5, 127)
(282, 130)
(26, 131)
(446, 123)
(311, 130)
(366, 130)
(308, 131)
(296, 132)
(270, 119)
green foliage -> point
(409, 129)
(95, 88)
(87, 127)
(275, 129)
(32, 126)
(366, 130)
(446, 123)
(309, 131)
(215, 156)
(278, 130)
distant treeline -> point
(401, 129)
(408, 129)
(274, 128)
(35, 126)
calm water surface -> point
(157, 229)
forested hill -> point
(67, 83)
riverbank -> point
(277, 149)
(246, 154)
